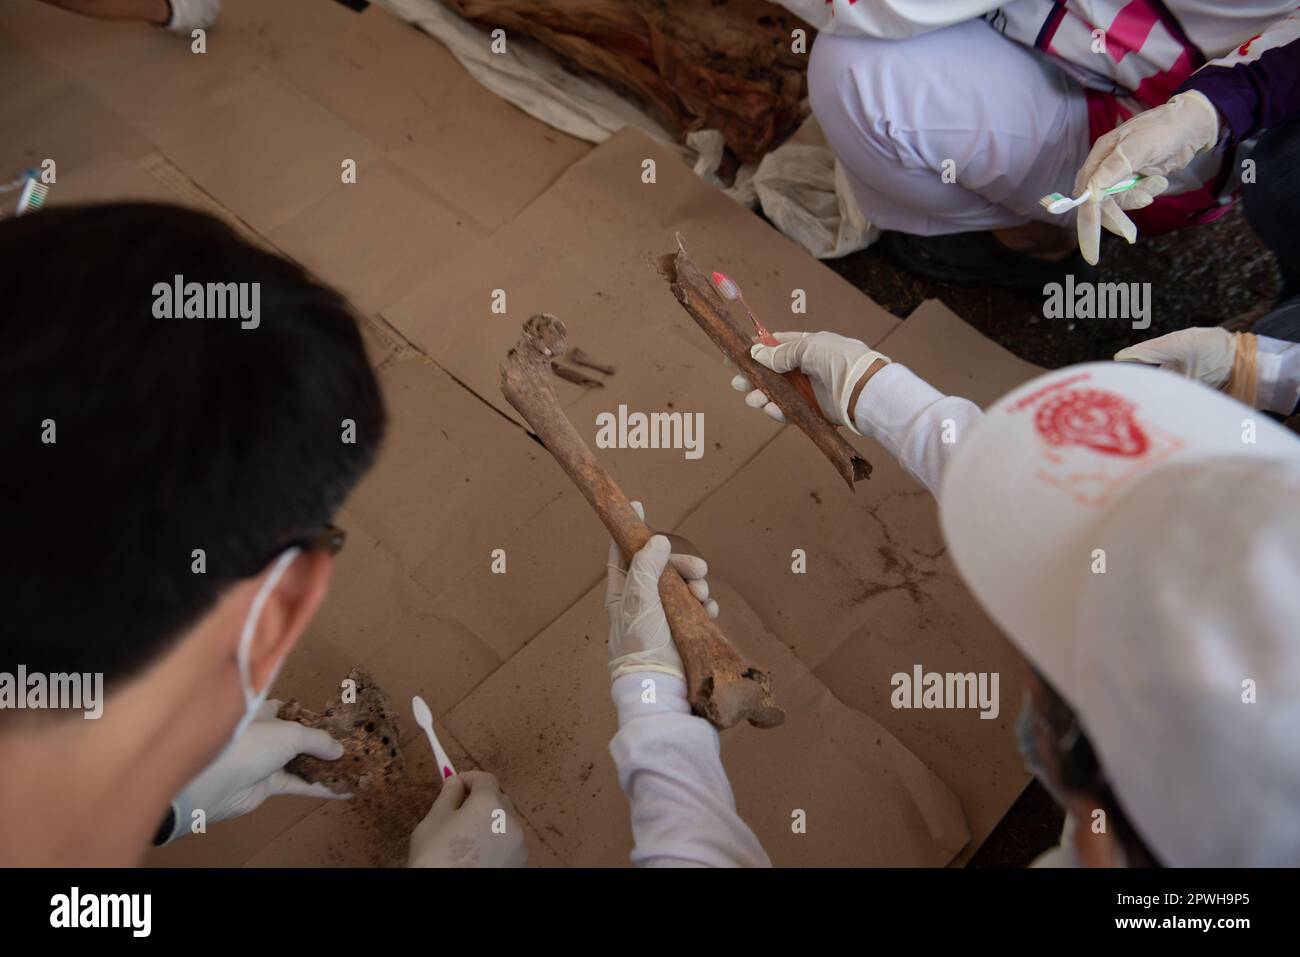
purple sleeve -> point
(1255, 95)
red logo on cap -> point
(1101, 421)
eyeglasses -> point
(330, 538)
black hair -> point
(169, 435)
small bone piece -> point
(580, 358)
(574, 376)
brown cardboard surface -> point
(879, 595)
(65, 124)
(405, 92)
(147, 75)
(263, 149)
(553, 557)
(543, 723)
(26, 77)
(381, 345)
(583, 251)
(454, 478)
(375, 238)
(109, 178)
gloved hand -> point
(1223, 360)
(1199, 353)
(639, 637)
(1152, 144)
(835, 364)
(464, 828)
(189, 14)
(252, 770)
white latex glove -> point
(1199, 353)
(639, 637)
(471, 824)
(1152, 144)
(832, 362)
(252, 770)
(189, 14)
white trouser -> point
(1005, 123)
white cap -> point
(1182, 658)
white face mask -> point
(253, 700)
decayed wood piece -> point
(694, 65)
(695, 292)
(721, 685)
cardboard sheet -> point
(153, 78)
(407, 94)
(63, 123)
(453, 481)
(543, 724)
(376, 237)
(263, 148)
(109, 178)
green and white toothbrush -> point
(1058, 203)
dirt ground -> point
(1199, 277)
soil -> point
(1203, 276)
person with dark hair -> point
(1135, 536)
(184, 413)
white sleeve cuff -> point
(648, 692)
(914, 421)
(1277, 369)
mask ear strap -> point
(250, 623)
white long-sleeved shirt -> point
(1277, 370)
(670, 767)
(669, 761)
(912, 419)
